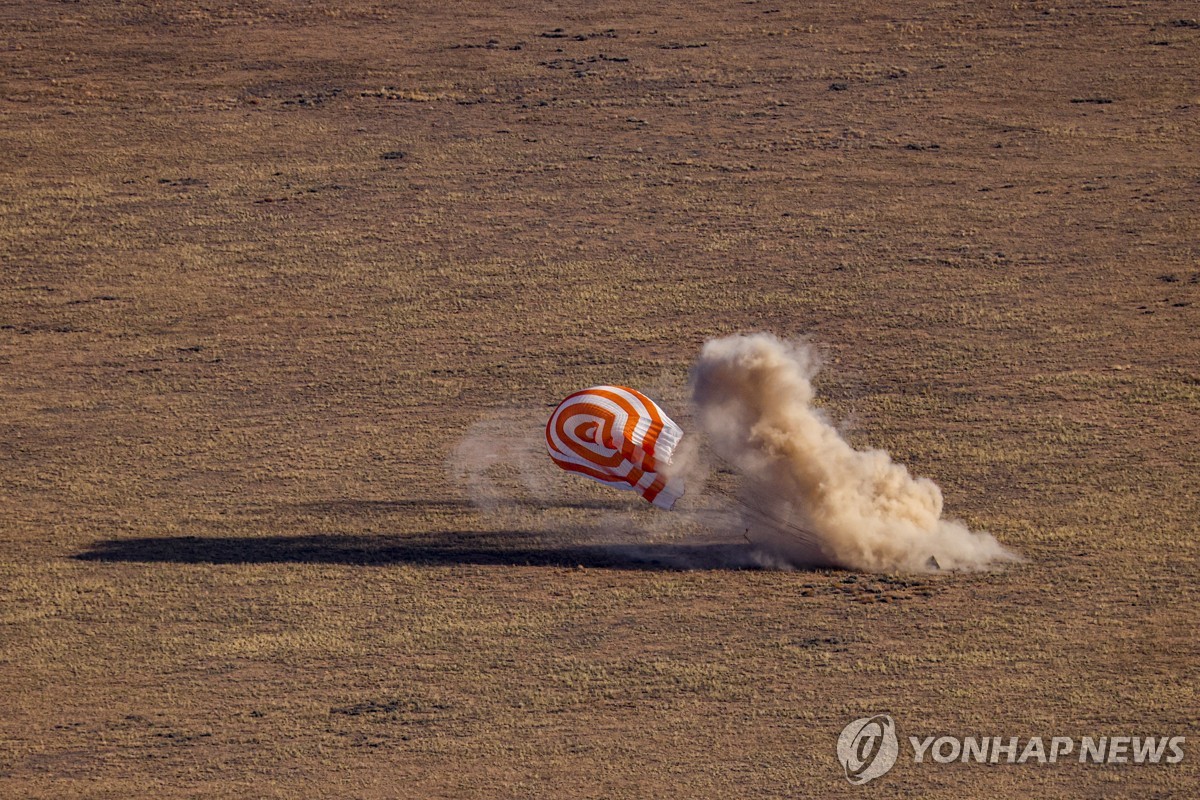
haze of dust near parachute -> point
(753, 397)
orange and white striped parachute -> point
(617, 436)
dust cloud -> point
(807, 497)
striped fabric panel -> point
(617, 436)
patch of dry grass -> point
(264, 265)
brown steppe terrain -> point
(266, 265)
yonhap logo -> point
(868, 748)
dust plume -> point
(807, 496)
(501, 460)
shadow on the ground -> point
(359, 506)
(510, 548)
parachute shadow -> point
(442, 549)
(354, 506)
(366, 506)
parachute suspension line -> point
(803, 534)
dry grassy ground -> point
(265, 264)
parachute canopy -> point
(617, 436)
